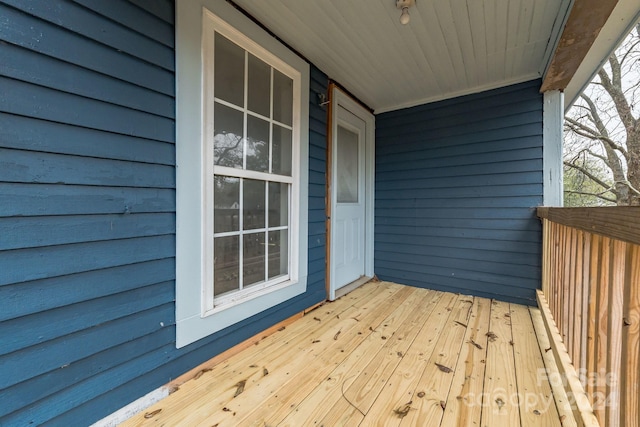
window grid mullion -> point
(266, 232)
(241, 236)
(270, 120)
(244, 110)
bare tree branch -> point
(588, 174)
(587, 132)
(613, 87)
(582, 193)
(631, 188)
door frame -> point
(337, 98)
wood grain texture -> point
(383, 354)
(591, 278)
(585, 21)
(580, 405)
(618, 222)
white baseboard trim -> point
(133, 408)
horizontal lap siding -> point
(457, 182)
(87, 210)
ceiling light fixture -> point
(404, 5)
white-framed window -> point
(241, 169)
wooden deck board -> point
(464, 405)
(384, 354)
(500, 406)
(537, 407)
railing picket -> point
(592, 330)
(600, 392)
(591, 283)
(577, 300)
(615, 325)
(584, 310)
(630, 387)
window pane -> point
(229, 71)
(278, 253)
(278, 204)
(226, 199)
(282, 98)
(347, 166)
(259, 86)
(257, 144)
(253, 259)
(281, 151)
(227, 139)
(254, 204)
(226, 265)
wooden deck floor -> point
(385, 354)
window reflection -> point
(227, 136)
(226, 199)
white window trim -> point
(191, 324)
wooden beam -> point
(617, 222)
(586, 19)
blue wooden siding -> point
(456, 186)
(87, 210)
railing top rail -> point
(618, 222)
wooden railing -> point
(591, 283)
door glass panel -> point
(281, 151)
(253, 259)
(278, 253)
(257, 144)
(226, 200)
(282, 98)
(347, 166)
(254, 204)
(227, 136)
(226, 260)
(229, 79)
(259, 81)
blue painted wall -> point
(87, 210)
(456, 186)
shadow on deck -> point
(384, 354)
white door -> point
(349, 194)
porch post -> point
(553, 121)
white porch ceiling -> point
(450, 47)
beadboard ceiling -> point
(450, 47)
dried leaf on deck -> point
(475, 344)
(460, 323)
(265, 372)
(444, 369)
(240, 388)
(201, 373)
(315, 318)
(403, 411)
(491, 336)
(335, 337)
(152, 413)
(443, 404)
